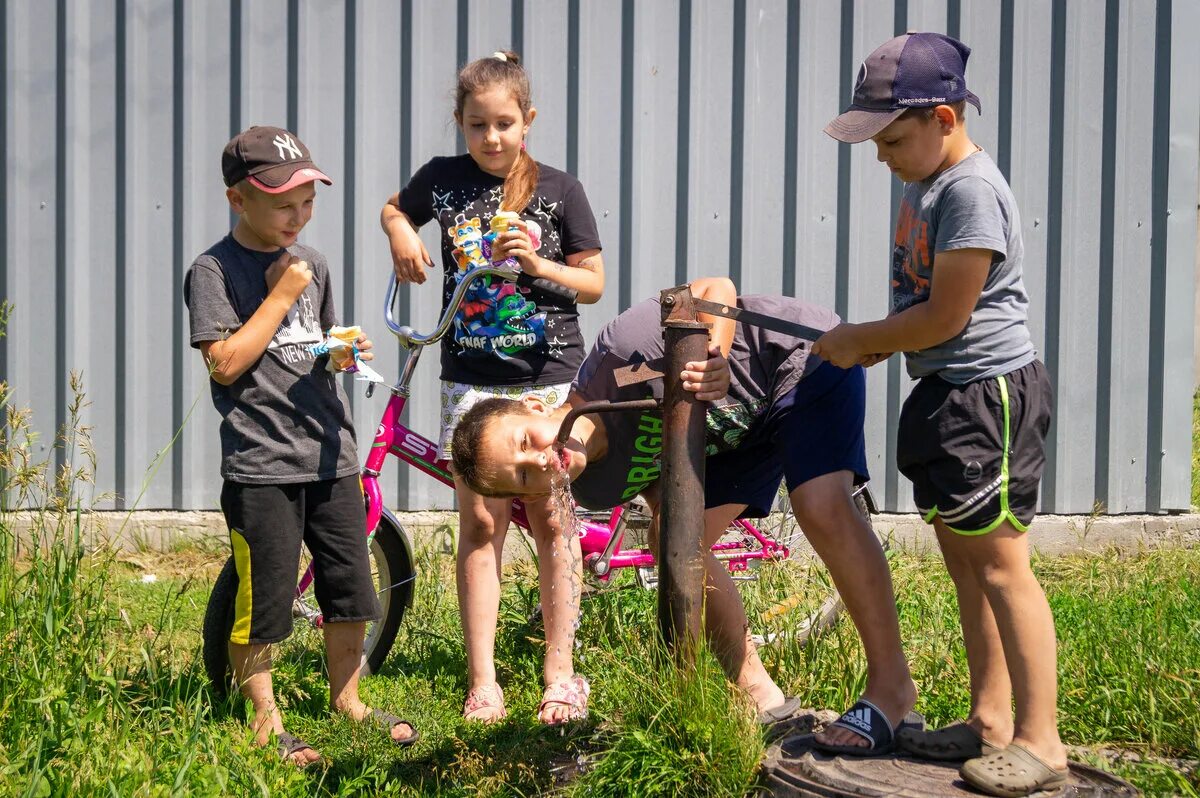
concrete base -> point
(1051, 535)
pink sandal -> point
(571, 693)
(487, 696)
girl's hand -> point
(710, 378)
(515, 243)
(364, 347)
(409, 256)
(839, 347)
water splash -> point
(568, 522)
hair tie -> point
(499, 56)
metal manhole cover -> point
(793, 768)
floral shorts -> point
(458, 398)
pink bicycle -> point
(603, 536)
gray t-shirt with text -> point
(968, 206)
(286, 419)
(763, 364)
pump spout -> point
(602, 406)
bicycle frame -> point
(600, 543)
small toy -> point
(504, 221)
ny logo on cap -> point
(287, 147)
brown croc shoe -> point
(1011, 773)
(954, 743)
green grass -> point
(106, 657)
(102, 691)
(1196, 450)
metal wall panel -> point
(695, 126)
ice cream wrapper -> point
(344, 357)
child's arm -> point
(583, 271)
(958, 280)
(230, 358)
(409, 256)
(710, 378)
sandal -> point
(868, 721)
(290, 744)
(486, 696)
(954, 743)
(389, 721)
(571, 693)
(780, 713)
(1012, 772)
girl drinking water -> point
(494, 203)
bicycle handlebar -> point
(410, 338)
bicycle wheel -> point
(392, 571)
(810, 603)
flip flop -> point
(954, 743)
(779, 713)
(868, 721)
(1012, 772)
(290, 744)
(389, 721)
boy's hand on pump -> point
(840, 347)
(287, 278)
(870, 360)
(708, 379)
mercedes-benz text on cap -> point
(916, 70)
(271, 159)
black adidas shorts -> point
(975, 452)
(266, 526)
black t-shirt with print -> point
(504, 334)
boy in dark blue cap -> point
(972, 433)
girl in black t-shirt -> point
(506, 341)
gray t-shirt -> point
(968, 206)
(764, 365)
(286, 419)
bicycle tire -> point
(392, 570)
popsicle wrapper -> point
(344, 357)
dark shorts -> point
(267, 524)
(816, 429)
(975, 452)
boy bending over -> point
(776, 413)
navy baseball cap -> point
(916, 70)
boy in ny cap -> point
(258, 301)
(972, 432)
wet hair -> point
(507, 72)
(959, 108)
(466, 445)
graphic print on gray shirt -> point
(286, 419)
(968, 206)
(763, 366)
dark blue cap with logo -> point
(916, 70)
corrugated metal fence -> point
(695, 126)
